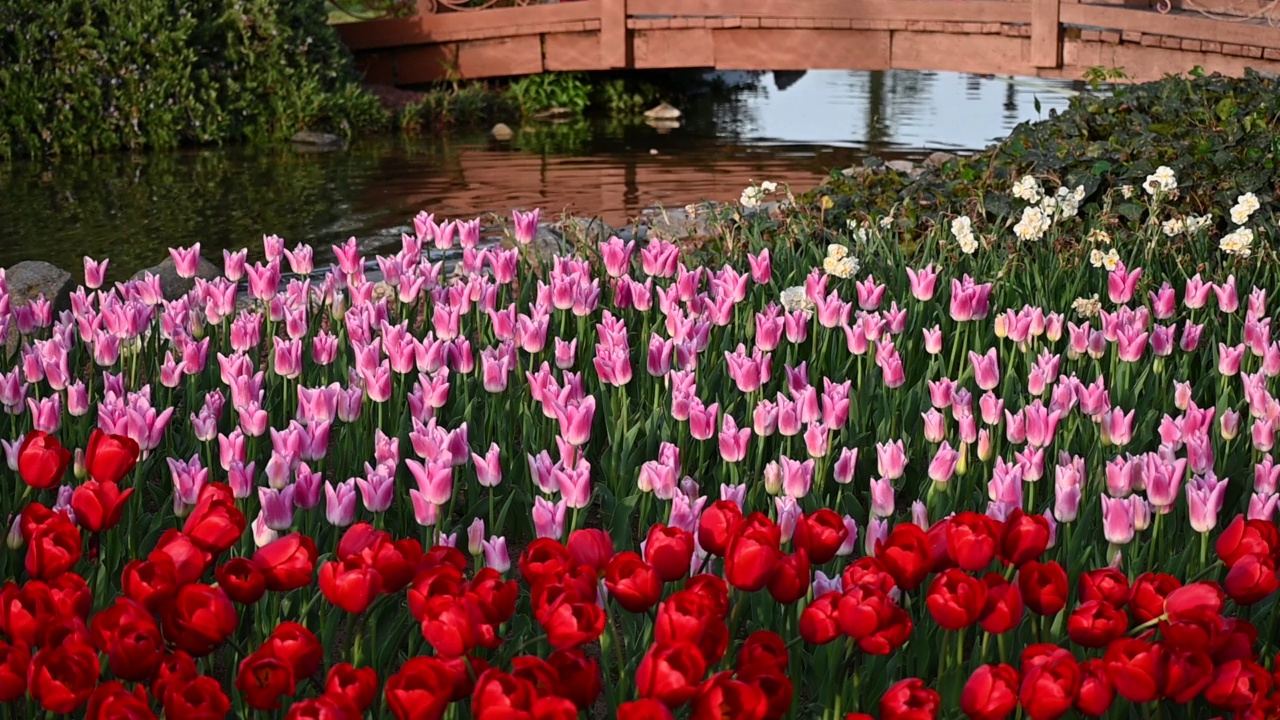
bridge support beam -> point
(613, 33)
(1046, 33)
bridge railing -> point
(486, 38)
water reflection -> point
(791, 129)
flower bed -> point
(1000, 469)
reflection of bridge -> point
(1056, 38)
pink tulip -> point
(1163, 481)
(1164, 302)
(186, 261)
(877, 534)
(94, 272)
(1229, 424)
(733, 441)
(526, 225)
(845, 464)
(870, 293)
(943, 465)
(548, 518)
(1262, 507)
(881, 497)
(1117, 427)
(1118, 519)
(797, 477)
(935, 427)
(702, 419)
(923, 282)
(1229, 359)
(1263, 434)
(891, 459)
(1121, 283)
(761, 267)
(797, 325)
(189, 478)
(434, 479)
(1228, 299)
(46, 414)
(1205, 495)
(277, 507)
(1266, 476)
(617, 256)
(816, 438)
(575, 420)
(986, 369)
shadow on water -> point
(792, 129)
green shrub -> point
(86, 76)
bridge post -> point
(1046, 34)
(613, 33)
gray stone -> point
(306, 137)
(902, 166)
(502, 132)
(583, 231)
(677, 223)
(173, 286)
(662, 112)
(30, 279)
(938, 159)
(915, 172)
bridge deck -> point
(1054, 38)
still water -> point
(787, 127)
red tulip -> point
(98, 505)
(763, 647)
(451, 625)
(773, 684)
(42, 461)
(1003, 609)
(819, 622)
(108, 458)
(358, 685)
(939, 556)
(188, 560)
(1095, 624)
(669, 550)
(753, 553)
(1024, 539)
(287, 563)
(1183, 675)
(791, 579)
(433, 581)
(571, 624)
(717, 526)
(722, 697)
(499, 691)
(351, 584)
(55, 548)
(61, 678)
(324, 707)
(1237, 684)
(1132, 666)
(1251, 579)
(25, 611)
(713, 590)
(175, 669)
(1106, 584)
(1049, 687)
(632, 583)
(1247, 537)
(215, 523)
(644, 709)
(111, 701)
(14, 661)
(135, 650)
(671, 673)
(591, 546)
(495, 597)
(199, 699)
(241, 580)
(956, 599)
(151, 583)
(1096, 690)
(263, 680)
(690, 616)
(71, 596)
(867, 571)
(578, 676)
(909, 699)
(873, 619)
(420, 689)
(990, 693)
(200, 619)
(1043, 587)
(906, 555)
(971, 540)
(544, 557)
(1146, 599)
(297, 646)
(1194, 602)
(820, 534)
(537, 672)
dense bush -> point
(84, 76)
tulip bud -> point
(14, 539)
(773, 478)
(1002, 326)
(1230, 424)
(985, 450)
(962, 465)
(475, 537)
(79, 468)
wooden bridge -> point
(464, 39)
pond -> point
(786, 127)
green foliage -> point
(537, 93)
(86, 76)
(1098, 75)
(627, 96)
(1217, 133)
(469, 105)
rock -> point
(502, 133)
(677, 223)
(938, 159)
(662, 112)
(306, 137)
(583, 231)
(30, 279)
(857, 171)
(902, 166)
(916, 172)
(173, 286)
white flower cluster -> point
(1126, 191)
(1246, 205)
(839, 262)
(1034, 223)
(1028, 188)
(1087, 307)
(859, 231)
(962, 230)
(1044, 208)
(753, 195)
(1099, 236)
(1173, 226)
(794, 298)
(1162, 181)
(1109, 259)
(1196, 223)
(1239, 242)
(1065, 203)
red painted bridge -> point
(465, 39)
